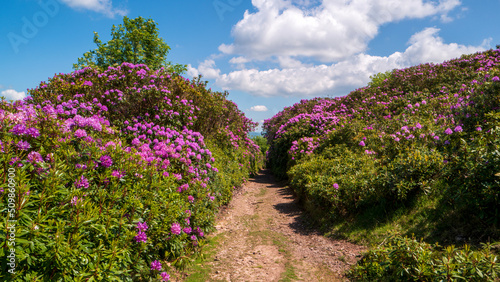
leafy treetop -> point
(136, 41)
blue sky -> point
(268, 54)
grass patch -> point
(200, 270)
(249, 221)
(428, 217)
(289, 273)
(262, 192)
(282, 243)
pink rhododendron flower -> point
(165, 276)
(156, 265)
(175, 228)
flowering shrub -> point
(410, 123)
(428, 132)
(475, 166)
(117, 173)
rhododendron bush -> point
(118, 174)
(418, 126)
(428, 135)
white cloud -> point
(334, 32)
(208, 70)
(427, 46)
(289, 62)
(341, 77)
(331, 31)
(99, 6)
(191, 71)
(239, 62)
(11, 94)
(259, 108)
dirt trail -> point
(263, 236)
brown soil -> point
(265, 236)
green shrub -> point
(413, 170)
(110, 177)
(474, 179)
(379, 78)
(416, 149)
(262, 143)
(406, 259)
(340, 184)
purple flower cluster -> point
(165, 276)
(84, 118)
(82, 182)
(156, 265)
(306, 145)
(393, 114)
(75, 201)
(23, 145)
(141, 234)
(34, 157)
(80, 133)
(118, 173)
(175, 228)
(21, 129)
(106, 161)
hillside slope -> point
(415, 152)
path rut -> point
(264, 236)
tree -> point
(262, 143)
(136, 41)
(378, 79)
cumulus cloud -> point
(239, 62)
(427, 46)
(259, 108)
(333, 34)
(329, 31)
(11, 94)
(99, 6)
(206, 68)
(192, 71)
(340, 77)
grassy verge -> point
(200, 269)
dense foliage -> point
(116, 174)
(137, 41)
(428, 135)
(262, 143)
(406, 259)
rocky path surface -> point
(264, 236)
